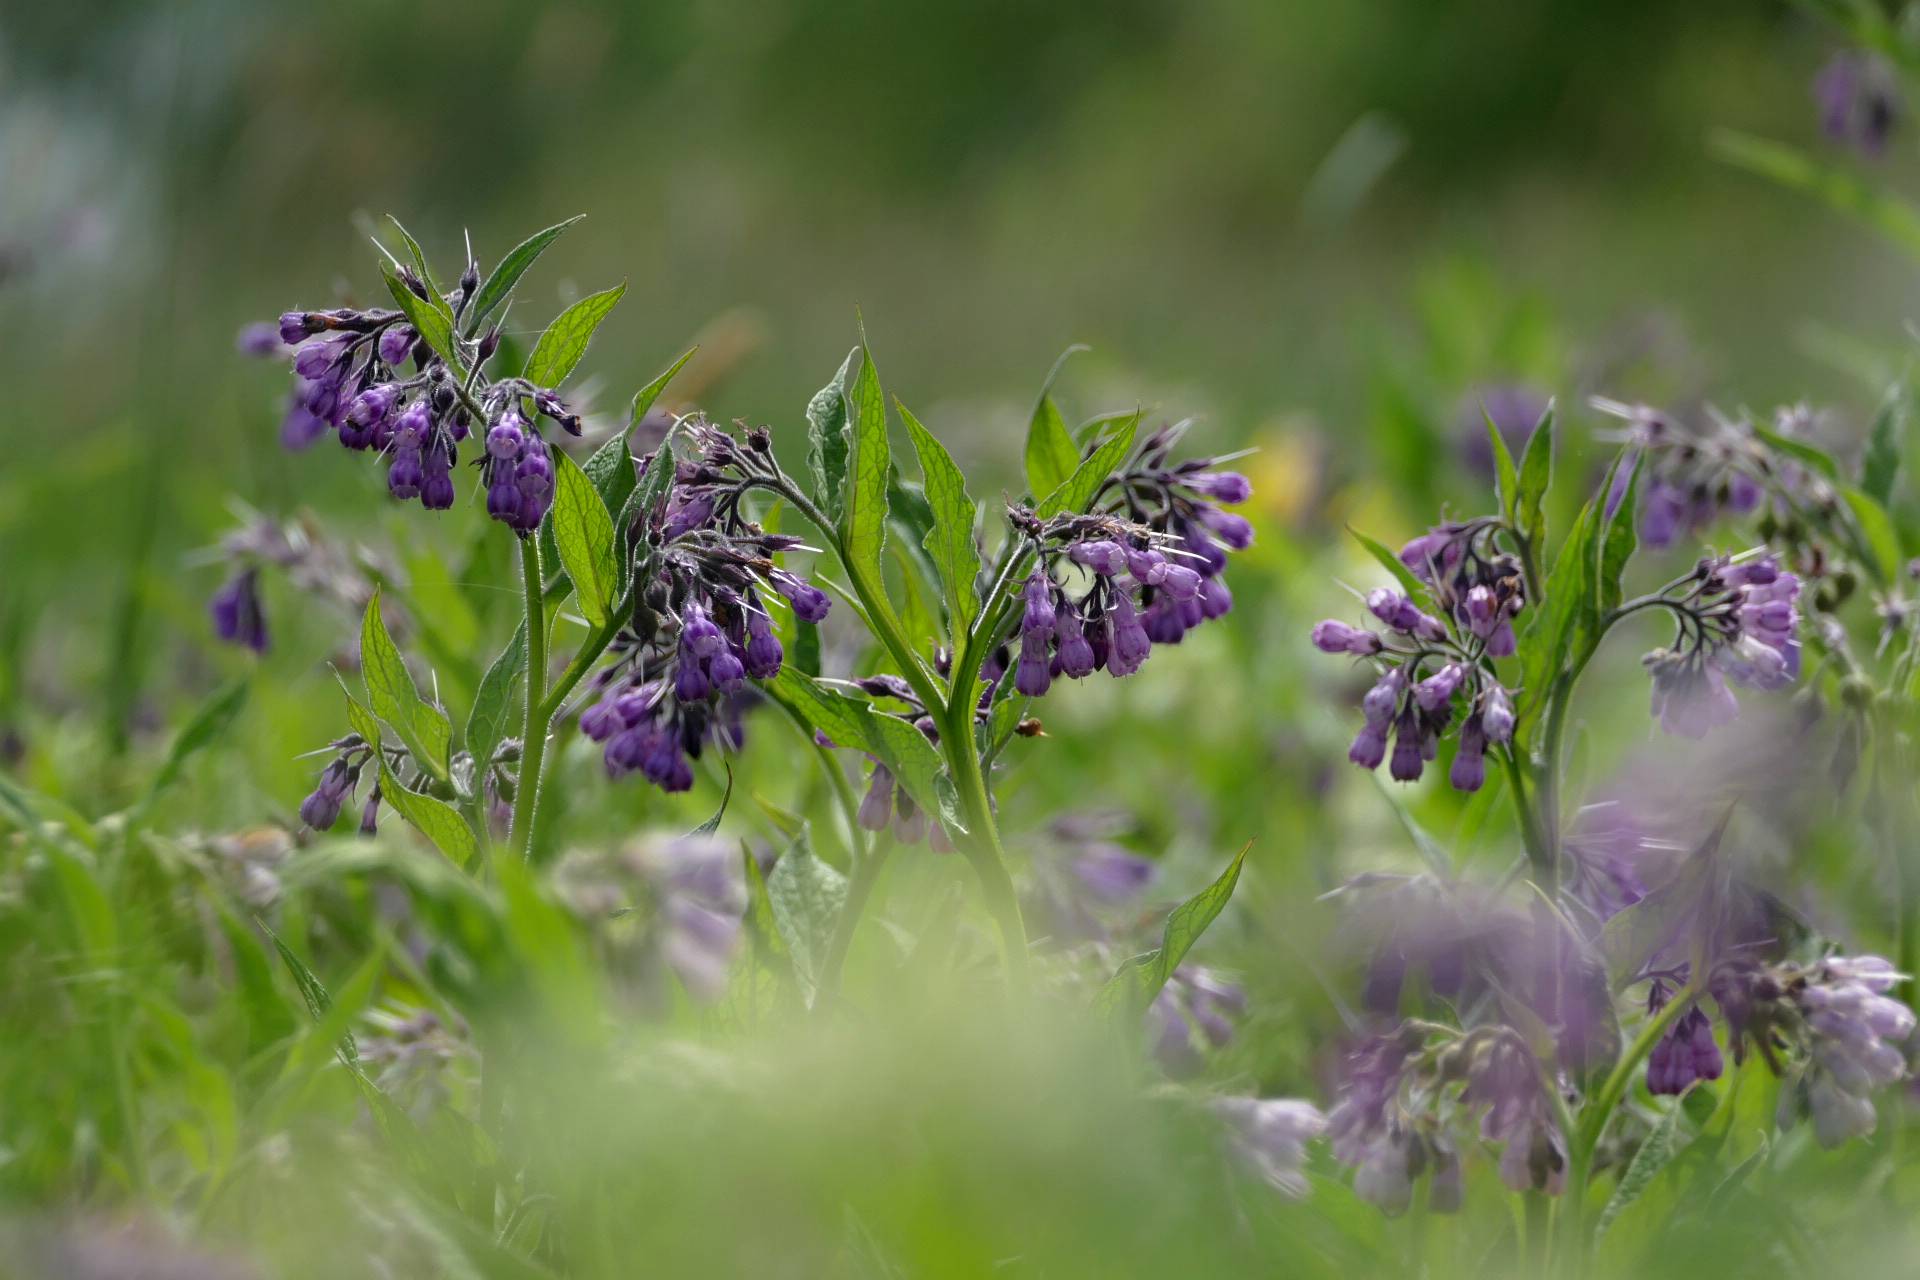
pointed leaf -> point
(565, 341)
(1051, 455)
(1656, 1151)
(429, 321)
(827, 446)
(1412, 586)
(864, 524)
(1506, 477)
(1536, 477)
(950, 542)
(583, 534)
(507, 272)
(1877, 528)
(1083, 485)
(434, 819)
(393, 697)
(214, 717)
(1140, 979)
(1881, 461)
(1620, 542)
(644, 398)
(807, 896)
(495, 713)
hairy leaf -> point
(1051, 455)
(565, 341)
(1656, 1151)
(950, 543)
(644, 398)
(429, 321)
(827, 445)
(1412, 586)
(494, 713)
(864, 524)
(393, 697)
(583, 534)
(1083, 485)
(507, 272)
(806, 895)
(1140, 979)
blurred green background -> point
(1326, 230)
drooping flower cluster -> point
(1830, 1025)
(1686, 1053)
(1734, 620)
(238, 617)
(340, 780)
(1430, 667)
(703, 627)
(1142, 567)
(681, 898)
(1401, 1094)
(351, 366)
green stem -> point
(533, 737)
(981, 844)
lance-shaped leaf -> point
(432, 817)
(864, 524)
(1051, 455)
(495, 713)
(420, 267)
(1412, 586)
(1880, 463)
(214, 717)
(583, 535)
(644, 398)
(1618, 544)
(807, 896)
(394, 698)
(1656, 1151)
(950, 542)
(561, 347)
(1080, 488)
(827, 445)
(1140, 979)
(429, 321)
(1563, 622)
(916, 765)
(507, 272)
(841, 718)
(1877, 530)
(1506, 477)
(1536, 477)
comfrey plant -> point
(694, 604)
(1478, 649)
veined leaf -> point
(950, 543)
(1083, 485)
(215, 716)
(507, 272)
(915, 764)
(429, 321)
(583, 534)
(843, 719)
(610, 469)
(864, 524)
(565, 341)
(1051, 454)
(1881, 461)
(492, 718)
(1656, 1151)
(438, 300)
(1559, 621)
(643, 398)
(1536, 477)
(1140, 979)
(654, 484)
(1876, 527)
(393, 697)
(827, 448)
(1619, 543)
(1506, 477)
(434, 819)
(807, 896)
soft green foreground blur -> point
(1323, 229)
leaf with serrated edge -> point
(393, 697)
(950, 542)
(565, 340)
(583, 534)
(507, 272)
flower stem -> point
(533, 736)
(981, 843)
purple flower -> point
(322, 807)
(1112, 874)
(1686, 1053)
(1038, 614)
(877, 806)
(810, 604)
(1334, 636)
(1859, 102)
(238, 617)
(1102, 556)
(1270, 1136)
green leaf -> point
(1847, 192)
(393, 697)
(1800, 451)
(1412, 586)
(429, 321)
(843, 719)
(806, 895)
(1051, 456)
(565, 341)
(1656, 1151)
(1140, 979)
(492, 719)
(950, 543)
(1881, 461)
(438, 302)
(319, 1003)
(583, 533)
(712, 824)
(507, 272)
(434, 819)
(1876, 527)
(1083, 485)
(827, 447)
(643, 398)
(915, 763)
(214, 717)
(1506, 477)
(1553, 637)
(655, 482)
(864, 524)
(1619, 544)
(1536, 477)
(610, 469)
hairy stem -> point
(533, 733)
(981, 844)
